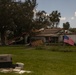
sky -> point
(67, 8)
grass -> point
(43, 61)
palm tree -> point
(40, 15)
(41, 19)
(55, 18)
(66, 25)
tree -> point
(72, 30)
(16, 16)
(41, 20)
(55, 18)
(66, 26)
(24, 18)
(5, 18)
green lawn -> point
(43, 62)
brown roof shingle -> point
(49, 32)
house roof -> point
(54, 35)
(49, 32)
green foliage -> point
(55, 18)
(66, 25)
(5, 18)
(72, 30)
(41, 20)
(16, 16)
(24, 17)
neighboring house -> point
(72, 36)
(69, 34)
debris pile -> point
(17, 69)
(7, 66)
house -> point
(50, 35)
(54, 35)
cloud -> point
(72, 18)
(75, 13)
(63, 18)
